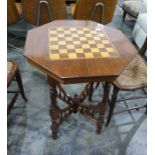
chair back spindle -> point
(39, 12)
(101, 6)
(101, 11)
(39, 4)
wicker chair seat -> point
(134, 76)
(11, 70)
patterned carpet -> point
(29, 123)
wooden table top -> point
(76, 51)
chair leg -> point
(146, 109)
(112, 104)
(20, 85)
(11, 104)
(124, 15)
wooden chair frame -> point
(116, 90)
(14, 75)
(93, 9)
(39, 4)
(101, 6)
(114, 100)
(125, 13)
(39, 12)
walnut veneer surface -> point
(82, 70)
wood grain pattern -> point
(81, 70)
(82, 10)
(57, 7)
(12, 12)
(67, 43)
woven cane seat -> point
(134, 76)
(11, 70)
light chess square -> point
(79, 43)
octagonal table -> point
(74, 51)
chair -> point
(134, 77)
(140, 28)
(12, 12)
(131, 7)
(83, 10)
(38, 12)
(14, 74)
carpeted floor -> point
(120, 2)
(29, 123)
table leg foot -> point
(54, 134)
(99, 126)
(98, 131)
(54, 131)
(54, 118)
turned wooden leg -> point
(54, 109)
(97, 85)
(124, 15)
(11, 104)
(91, 92)
(102, 107)
(20, 85)
(112, 104)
